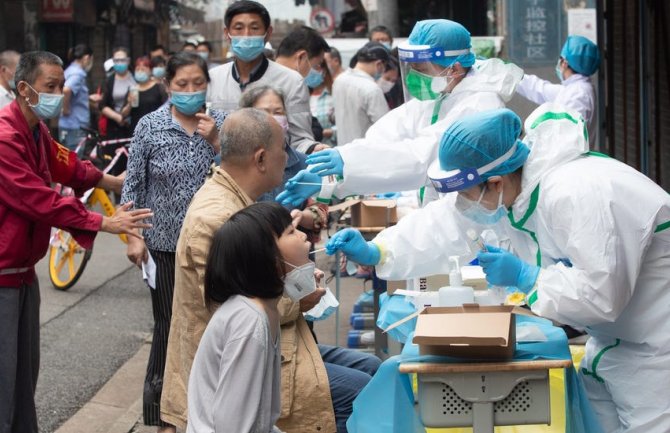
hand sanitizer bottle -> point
(456, 294)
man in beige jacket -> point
(249, 168)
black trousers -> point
(161, 302)
(19, 357)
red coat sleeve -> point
(29, 195)
(67, 169)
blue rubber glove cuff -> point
(373, 255)
(503, 268)
(527, 277)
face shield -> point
(458, 180)
(423, 78)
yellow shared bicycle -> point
(67, 259)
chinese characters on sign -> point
(535, 31)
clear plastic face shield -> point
(459, 180)
(422, 78)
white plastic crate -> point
(493, 398)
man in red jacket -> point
(29, 161)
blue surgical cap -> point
(478, 139)
(581, 54)
(446, 35)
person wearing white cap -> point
(579, 60)
(442, 82)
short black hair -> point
(157, 61)
(188, 44)
(29, 64)
(247, 7)
(158, 47)
(244, 258)
(381, 29)
(181, 59)
(391, 64)
(79, 51)
(303, 38)
(120, 48)
(335, 54)
(371, 52)
(205, 44)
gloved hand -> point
(295, 192)
(351, 243)
(503, 268)
(326, 162)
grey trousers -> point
(19, 357)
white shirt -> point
(576, 93)
(224, 93)
(359, 102)
(6, 96)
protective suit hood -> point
(555, 136)
(492, 75)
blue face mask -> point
(48, 105)
(158, 72)
(313, 79)
(120, 68)
(141, 77)
(203, 55)
(478, 213)
(12, 84)
(189, 103)
(247, 48)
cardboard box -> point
(470, 331)
(369, 213)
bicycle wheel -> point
(67, 260)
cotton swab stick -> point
(307, 183)
(319, 250)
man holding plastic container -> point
(442, 82)
(583, 254)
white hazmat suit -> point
(575, 93)
(600, 231)
(397, 149)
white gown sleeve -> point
(422, 242)
(399, 147)
(605, 240)
(538, 90)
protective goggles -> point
(460, 179)
(425, 53)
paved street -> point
(89, 332)
(95, 342)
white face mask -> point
(300, 282)
(385, 85)
(326, 306)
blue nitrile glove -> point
(326, 162)
(503, 268)
(351, 243)
(295, 192)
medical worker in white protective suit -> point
(591, 242)
(442, 83)
(579, 60)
